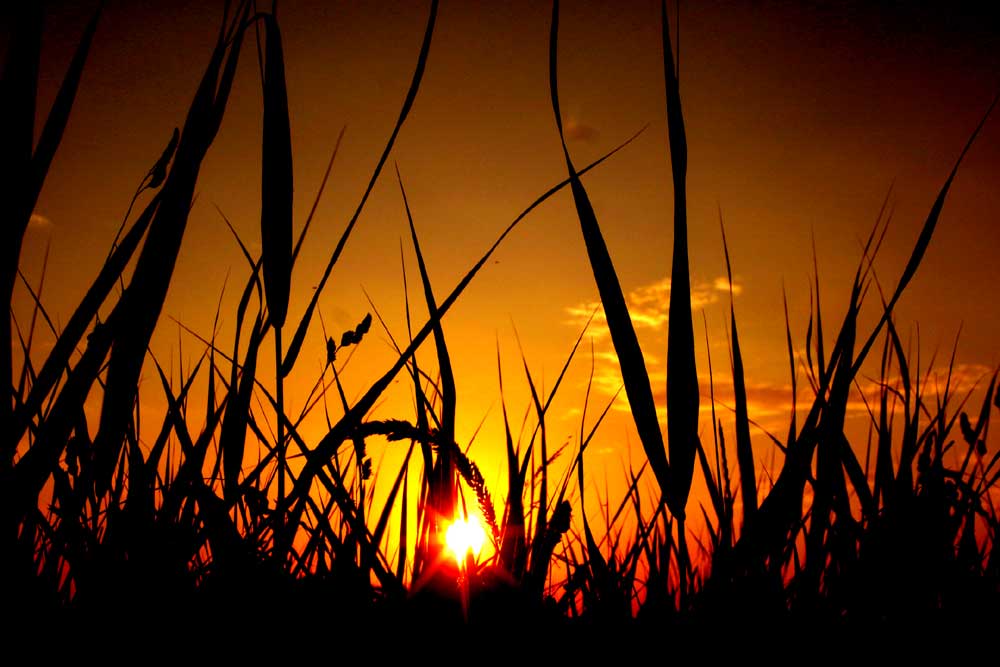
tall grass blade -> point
(542, 516)
(882, 489)
(232, 438)
(276, 230)
(55, 125)
(744, 448)
(276, 180)
(447, 380)
(443, 487)
(403, 522)
(715, 494)
(18, 89)
(820, 357)
(633, 366)
(682, 372)
(911, 395)
(791, 367)
(513, 553)
(390, 501)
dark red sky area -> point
(800, 116)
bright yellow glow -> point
(465, 535)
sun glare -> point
(465, 535)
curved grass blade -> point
(411, 95)
(632, 364)
(682, 372)
(18, 90)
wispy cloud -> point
(648, 305)
(721, 284)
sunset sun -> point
(465, 536)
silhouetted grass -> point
(213, 523)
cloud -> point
(39, 221)
(577, 131)
(721, 284)
(648, 305)
(963, 376)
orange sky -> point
(799, 117)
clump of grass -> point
(768, 544)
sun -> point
(464, 536)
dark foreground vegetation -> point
(187, 525)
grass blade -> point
(682, 372)
(443, 472)
(791, 366)
(411, 95)
(744, 448)
(276, 180)
(632, 364)
(58, 117)
(319, 195)
(512, 542)
(232, 438)
(18, 90)
(390, 501)
(923, 240)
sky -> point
(800, 117)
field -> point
(166, 473)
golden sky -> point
(799, 116)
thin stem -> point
(280, 537)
